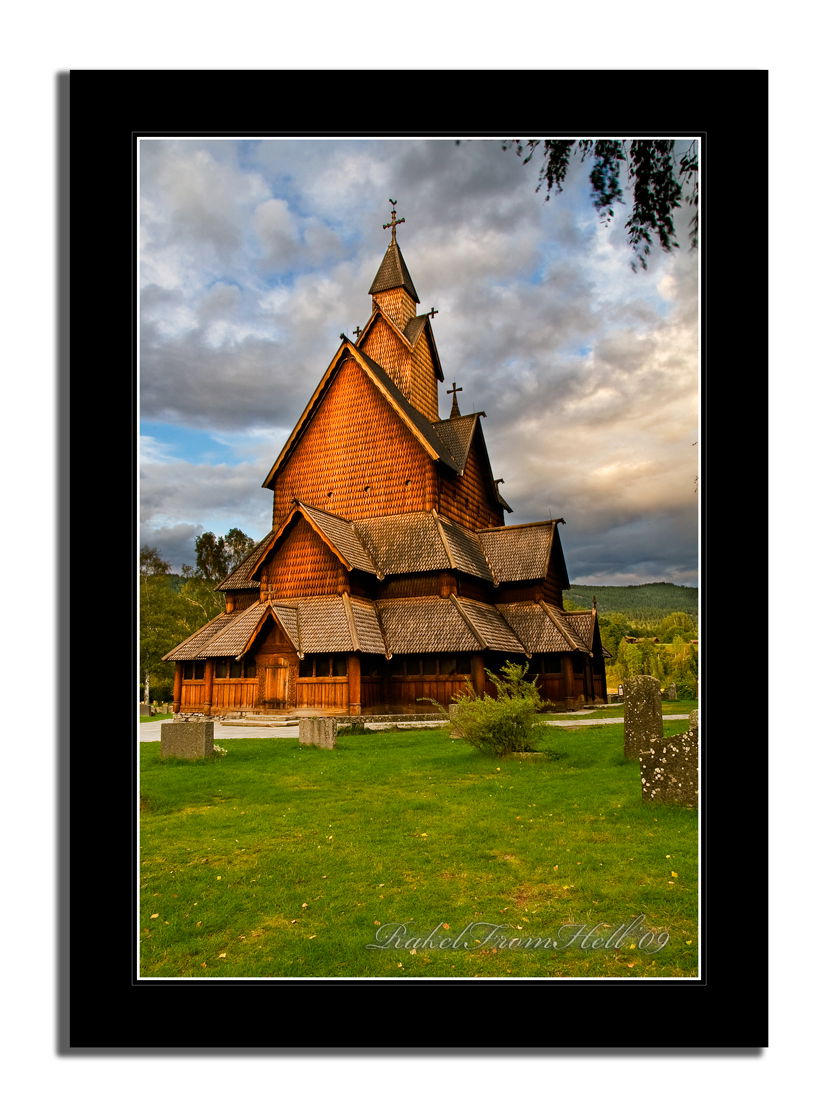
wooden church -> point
(389, 574)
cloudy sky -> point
(256, 254)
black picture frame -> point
(102, 1006)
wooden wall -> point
(302, 566)
(470, 499)
(393, 474)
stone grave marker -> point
(318, 731)
(642, 717)
(191, 740)
(669, 769)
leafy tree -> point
(661, 180)
(216, 556)
(151, 563)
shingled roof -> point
(521, 552)
(393, 273)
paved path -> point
(224, 731)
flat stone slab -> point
(190, 740)
(321, 732)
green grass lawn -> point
(279, 860)
(156, 717)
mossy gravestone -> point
(669, 769)
(190, 740)
(643, 719)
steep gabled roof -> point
(338, 534)
(521, 552)
(228, 634)
(419, 426)
(393, 272)
(341, 535)
(456, 435)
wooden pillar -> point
(478, 673)
(209, 673)
(353, 679)
(589, 680)
(178, 686)
(567, 668)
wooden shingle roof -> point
(341, 623)
(519, 553)
(393, 272)
(456, 435)
(342, 537)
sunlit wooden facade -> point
(389, 574)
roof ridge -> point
(568, 631)
(350, 620)
(471, 626)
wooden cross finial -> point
(432, 313)
(392, 223)
(357, 331)
(452, 391)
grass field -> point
(282, 861)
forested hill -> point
(647, 603)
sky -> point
(256, 254)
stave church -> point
(389, 574)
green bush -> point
(507, 723)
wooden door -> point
(276, 685)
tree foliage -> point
(173, 606)
(660, 180)
(216, 556)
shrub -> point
(507, 723)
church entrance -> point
(276, 684)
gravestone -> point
(191, 740)
(318, 731)
(643, 720)
(145, 710)
(669, 769)
(672, 693)
(693, 719)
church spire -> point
(393, 273)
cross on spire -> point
(392, 223)
(357, 331)
(432, 313)
(455, 407)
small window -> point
(235, 669)
(222, 668)
(447, 665)
(187, 670)
(463, 665)
(306, 667)
(338, 665)
(199, 670)
(250, 669)
(552, 665)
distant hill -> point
(647, 603)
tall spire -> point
(393, 271)
(455, 407)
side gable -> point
(472, 496)
(357, 406)
(300, 563)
